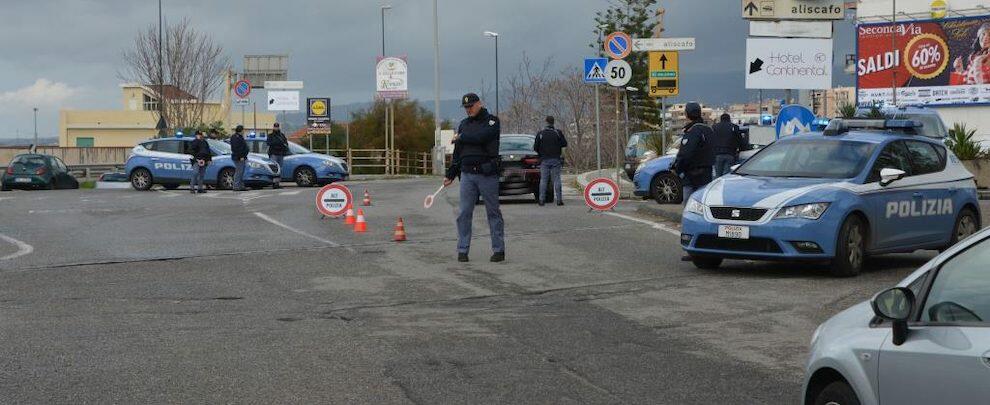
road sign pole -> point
(242, 115)
(663, 127)
(618, 164)
(598, 130)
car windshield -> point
(221, 148)
(811, 158)
(636, 146)
(507, 143)
(30, 161)
(296, 149)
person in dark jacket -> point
(694, 158)
(201, 157)
(476, 162)
(549, 146)
(239, 154)
(278, 148)
(727, 141)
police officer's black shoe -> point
(541, 203)
(498, 257)
(560, 203)
(462, 257)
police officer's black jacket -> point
(277, 144)
(727, 139)
(238, 147)
(696, 149)
(476, 148)
(549, 143)
(200, 150)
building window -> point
(150, 104)
(84, 142)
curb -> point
(625, 186)
(668, 212)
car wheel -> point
(170, 186)
(141, 179)
(305, 177)
(837, 393)
(966, 225)
(666, 188)
(225, 180)
(850, 251)
(706, 262)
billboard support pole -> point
(893, 49)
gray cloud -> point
(333, 44)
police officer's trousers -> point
(472, 186)
(239, 173)
(550, 170)
(278, 159)
(198, 174)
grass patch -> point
(87, 184)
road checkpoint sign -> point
(618, 73)
(793, 9)
(594, 70)
(601, 194)
(663, 44)
(665, 76)
(618, 45)
(332, 200)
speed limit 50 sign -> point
(618, 73)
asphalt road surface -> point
(111, 296)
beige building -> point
(826, 103)
(137, 119)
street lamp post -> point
(36, 126)
(495, 35)
(385, 7)
(388, 105)
(438, 156)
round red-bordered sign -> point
(242, 88)
(332, 200)
(618, 45)
(601, 194)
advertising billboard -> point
(392, 78)
(932, 62)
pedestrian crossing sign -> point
(594, 70)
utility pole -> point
(495, 35)
(598, 118)
(162, 124)
(36, 126)
(388, 103)
(893, 51)
(438, 156)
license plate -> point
(733, 231)
(22, 180)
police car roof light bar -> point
(841, 126)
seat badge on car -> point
(736, 213)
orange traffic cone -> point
(349, 216)
(361, 225)
(400, 231)
(367, 198)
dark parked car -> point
(520, 169)
(34, 171)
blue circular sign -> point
(794, 119)
(242, 88)
(618, 45)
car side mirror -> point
(895, 305)
(889, 175)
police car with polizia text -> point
(167, 161)
(305, 167)
(862, 187)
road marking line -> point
(290, 192)
(303, 233)
(22, 248)
(654, 225)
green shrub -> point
(961, 142)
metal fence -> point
(72, 156)
(381, 161)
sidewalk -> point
(626, 187)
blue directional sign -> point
(594, 70)
(794, 119)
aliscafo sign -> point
(793, 9)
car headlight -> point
(806, 211)
(696, 207)
(254, 165)
(330, 164)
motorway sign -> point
(794, 119)
(594, 70)
(333, 199)
(242, 88)
(618, 72)
(618, 45)
(788, 63)
(665, 76)
(793, 9)
(663, 44)
(601, 194)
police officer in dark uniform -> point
(476, 161)
(726, 142)
(695, 157)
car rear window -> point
(516, 143)
(29, 161)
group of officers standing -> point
(706, 152)
(278, 148)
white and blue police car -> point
(860, 188)
(305, 167)
(166, 161)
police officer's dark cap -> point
(469, 99)
(239, 128)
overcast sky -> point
(65, 53)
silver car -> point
(926, 341)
